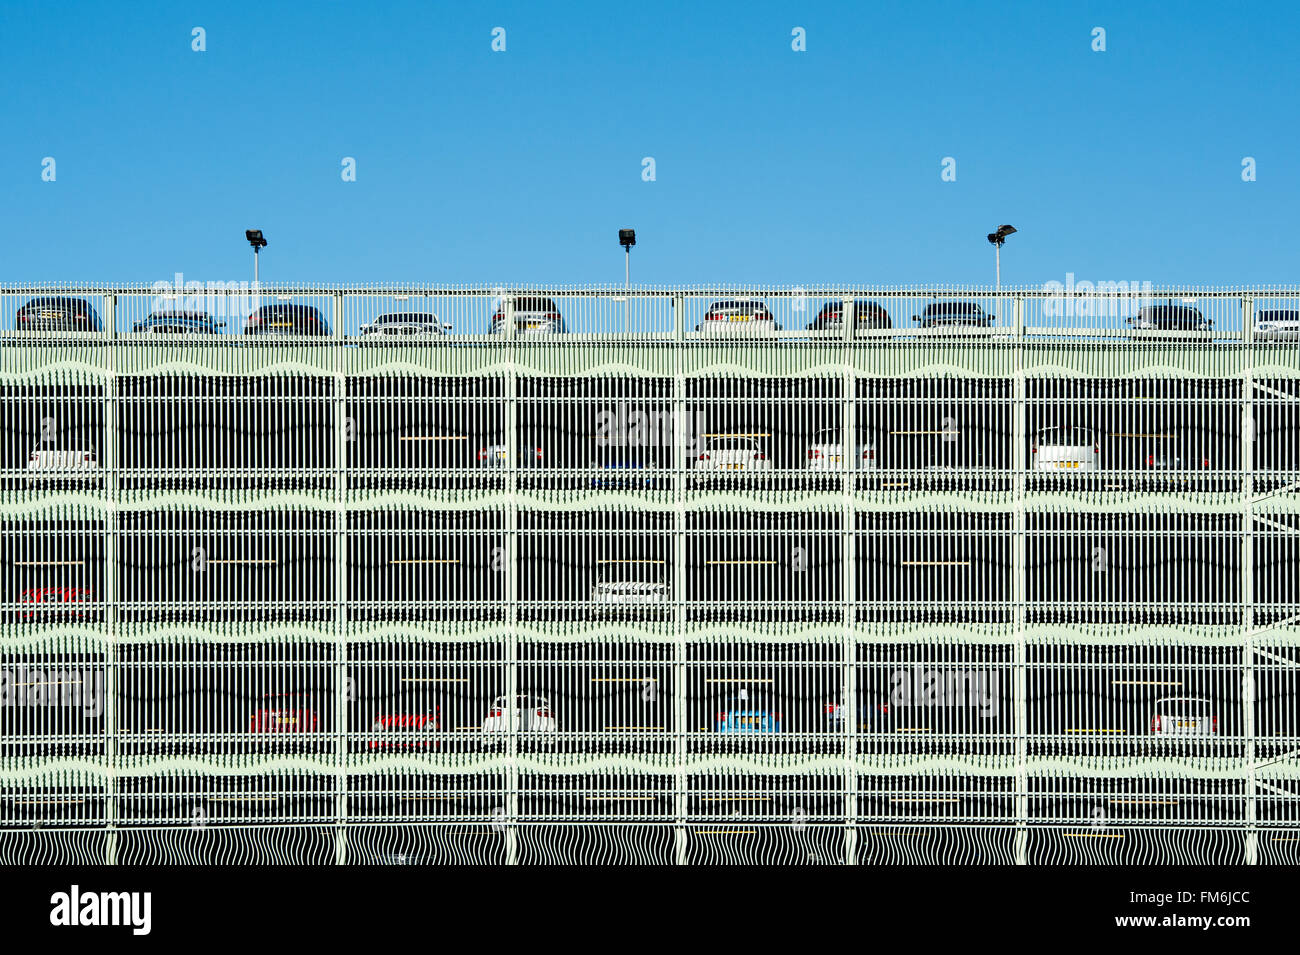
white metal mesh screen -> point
(685, 576)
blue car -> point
(744, 716)
(178, 322)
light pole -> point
(627, 239)
(997, 239)
(255, 239)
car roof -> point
(418, 318)
(58, 300)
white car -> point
(1184, 716)
(83, 464)
(1066, 448)
(737, 318)
(610, 596)
(534, 315)
(532, 714)
(826, 452)
(1278, 325)
(407, 326)
(733, 452)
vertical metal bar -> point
(1247, 676)
(342, 712)
(513, 721)
(1018, 587)
(109, 461)
(851, 458)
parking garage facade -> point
(1017, 593)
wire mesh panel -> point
(511, 575)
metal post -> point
(852, 460)
(680, 724)
(109, 462)
(1248, 578)
(1019, 591)
(511, 519)
(342, 695)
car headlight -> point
(378, 727)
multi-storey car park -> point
(649, 575)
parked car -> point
(629, 584)
(941, 316)
(1278, 325)
(826, 452)
(494, 456)
(739, 317)
(534, 315)
(284, 713)
(53, 599)
(1066, 448)
(532, 714)
(405, 326)
(1184, 716)
(873, 713)
(58, 313)
(866, 315)
(1169, 317)
(404, 730)
(177, 322)
(80, 463)
(744, 715)
(287, 319)
(1164, 459)
(733, 452)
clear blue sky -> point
(771, 166)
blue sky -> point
(772, 166)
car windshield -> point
(1279, 315)
(535, 305)
(953, 310)
(416, 318)
(739, 305)
(1169, 312)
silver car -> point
(1278, 325)
(405, 326)
(1184, 716)
(733, 452)
(1067, 448)
(534, 315)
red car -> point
(408, 724)
(284, 714)
(52, 596)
